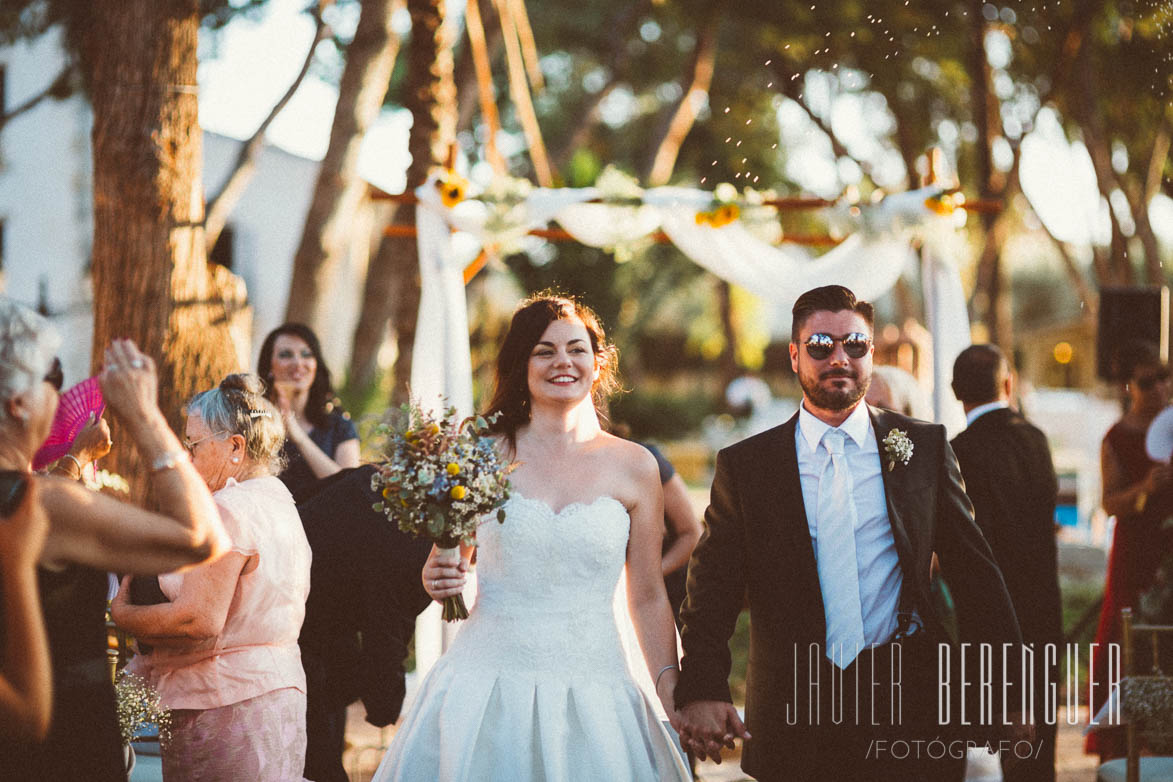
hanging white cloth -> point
(947, 319)
(441, 374)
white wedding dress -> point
(536, 685)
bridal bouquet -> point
(437, 478)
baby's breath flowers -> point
(438, 478)
(138, 706)
(898, 448)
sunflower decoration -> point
(944, 204)
(453, 188)
(724, 208)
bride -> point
(536, 685)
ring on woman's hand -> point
(138, 363)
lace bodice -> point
(545, 588)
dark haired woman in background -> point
(320, 438)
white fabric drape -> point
(441, 372)
(947, 319)
(869, 262)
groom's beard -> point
(835, 398)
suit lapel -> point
(791, 511)
(894, 494)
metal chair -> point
(1147, 706)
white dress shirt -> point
(877, 562)
(981, 410)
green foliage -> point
(663, 416)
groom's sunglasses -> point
(820, 346)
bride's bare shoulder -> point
(631, 457)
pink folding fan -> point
(74, 409)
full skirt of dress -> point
(536, 685)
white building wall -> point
(46, 206)
(46, 199)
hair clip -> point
(260, 414)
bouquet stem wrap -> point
(454, 608)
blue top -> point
(297, 474)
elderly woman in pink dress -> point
(225, 657)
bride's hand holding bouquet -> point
(438, 478)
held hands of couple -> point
(707, 727)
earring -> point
(235, 459)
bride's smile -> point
(562, 365)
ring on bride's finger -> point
(138, 363)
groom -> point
(825, 528)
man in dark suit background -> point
(1008, 474)
(365, 594)
(827, 533)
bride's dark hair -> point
(511, 398)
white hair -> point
(906, 394)
(28, 343)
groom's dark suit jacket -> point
(756, 551)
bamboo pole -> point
(484, 73)
(782, 204)
(559, 235)
(529, 47)
(522, 100)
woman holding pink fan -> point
(89, 534)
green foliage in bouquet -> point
(138, 706)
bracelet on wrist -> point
(77, 463)
(663, 671)
(169, 460)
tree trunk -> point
(430, 95)
(374, 315)
(696, 90)
(151, 278)
(1140, 195)
(727, 363)
(339, 191)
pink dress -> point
(238, 700)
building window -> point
(222, 253)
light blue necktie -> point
(838, 566)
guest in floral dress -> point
(225, 657)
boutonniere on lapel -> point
(898, 448)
